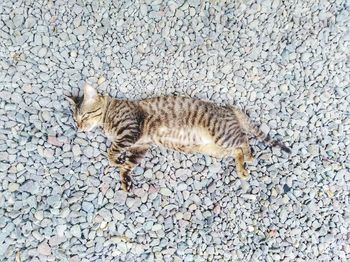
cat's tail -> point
(255, 131)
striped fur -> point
(178, 123)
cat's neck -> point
(109, 102)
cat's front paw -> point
(116, 159)
(121, 158)
(112, 161)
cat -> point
(175, 122)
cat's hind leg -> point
(239, 159)
(247, 152)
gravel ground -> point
(286, 63)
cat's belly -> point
(190, 140)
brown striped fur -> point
(178, 123)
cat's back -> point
(182, 110)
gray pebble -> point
(165, 191)
(4, 166)
(80, 30)
(44, 249)
(88, 207)
(76, 150)
(120, 197)
(54, 201)
(18, 20)
(42, 52)
(181, 187)
(76, 231)
(125, 63)
(44, 77)
(13, 187)
(30, 186)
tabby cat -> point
(178, 123)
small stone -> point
(313, 150)
(54, 201)
(101, 80)
(73, 54)
(120, 197)
(105, 214)
(148, 225)
(4, 166)
(183, 172)
(42, 52)
(148, 174)
(96, 61)
(305, 57)
(88, 207)
(283, 215)
(194, 3)
(44, 77)
(46, 116)
(45, 101)
(44, 249)
(181, 186)
(76, 231)
(284, 88)
(157, 15)
(80, 30)
(227, 69)
(104, 189)
(165, 191)
(61, 229)
(118, 216)
(18, 20)
(48, 153)
(192, 207)
(179, 215)
(54, 141)
(13, 187)
(39, 215)
(252, 96)
(157, 227)
(27, 88)
(76, 150)
(30, 186)
(143, 10)
(89, 151)
(125, 63)
(16, 98)
(264, 128)
(122, 247)
(56, 240)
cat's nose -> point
(79, 125)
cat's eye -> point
(90, 114)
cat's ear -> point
(90, 93)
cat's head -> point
(88, 110)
